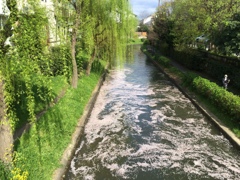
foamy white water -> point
(142, 127)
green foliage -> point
(101, 29)
(146, 42)
(97, 67)
(188, 78)
(213, 65)
(60, 60)
(227, 39)
(22, 66)
(136, 41)
(226, 101)
(41, 149)
(163, 25)
(164, 61)
(5, 171)
(179, 23)
(142, 28)
(190, 58)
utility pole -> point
(159, 2)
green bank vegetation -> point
(222, 103)
(193, 33)
(39, 150)
(212, 25)
(47, 84)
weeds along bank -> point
(213, 95)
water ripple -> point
(143, 128)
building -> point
(147, 20)
(4, 13)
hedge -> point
(227, 101)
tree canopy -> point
(99, 29)
(192, 18)
(57, 40)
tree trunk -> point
(73, 52)
(89, 67)
(6, 137)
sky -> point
(144, 8)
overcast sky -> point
(144, 8)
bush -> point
(188, 78)
(146, 42)
(223, 99)
(164, 61)
(61, 60)
(5, 172)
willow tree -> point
(113, 21)
(24, 65)
(101, 26)
(21, 69)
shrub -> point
(164, 61)
(5, 172)
(61, 60)
(223, 99)
(188, 78)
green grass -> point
(135, 41)
(56, 83)
(40, 150)
(4, 171)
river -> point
(143, 128)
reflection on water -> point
(142, 127)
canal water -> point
(143, 128)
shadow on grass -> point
(97, 67)
(42, 146)
(38, 145)
(42, 98)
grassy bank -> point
(135, 41)
(37, 153)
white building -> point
(53, 27)
(4, 13)
(148, 20)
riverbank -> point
(175, 72)
(37, 153)
(69, 151)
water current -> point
(142, 127)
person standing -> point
(225, 81)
